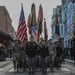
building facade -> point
(58, 11)
(65, 17)
(67, 21)
(5, 20)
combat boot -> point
(29, 70)
(45, 71)
(32, 70)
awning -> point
(4, 36)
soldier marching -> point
(31, 50)
(31, 55)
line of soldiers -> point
(33, 55)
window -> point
(61, 29)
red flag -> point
(57, 31)
(22, 30)
(40, 19)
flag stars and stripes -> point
(22, 30)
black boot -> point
(32, 70)
(29, 70)
(14, 63)
(45, 70)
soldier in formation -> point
(16, 52)
(58, 59)
(32, 54)
(44, 53)
(31, 50)
(52, 54)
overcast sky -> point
(14, 9)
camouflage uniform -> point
(52, 55)
(52, 51)
(15, 51)
(22, 56)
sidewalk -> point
(3, 63)
(69, 60)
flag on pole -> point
(38, 30)
(29, 23)
(33, 14)
(57, 31)
(35, 33)
(22, 30)
(45, 30)
(40, 19)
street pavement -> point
(66, 69)
(69, 60)
(3, 63)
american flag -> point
(22, 30)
